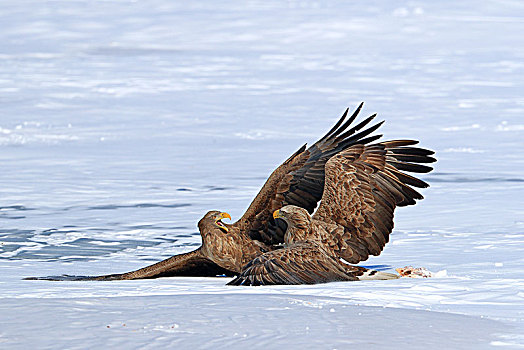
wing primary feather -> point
(399, 143)
(334, 128)
(412, 167)
(349, 121)
(300, 150)
(411, 151)
(356, 127)
(390, 184)
(358, 136)
(413, 158)
(410, 180)
(408, 194)
(370, 139)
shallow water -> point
(122, 123)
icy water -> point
(123, 122)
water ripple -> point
(140, 205)
(473, 179)
(15, 207)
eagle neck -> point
(231, 250)
(296, 233)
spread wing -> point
(300, 263)
(300, 179)
(364, 185)
(193, 263)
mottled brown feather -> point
(363, 187)
(300, 263)
(300, 179)
(193, 263)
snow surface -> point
(123, 122)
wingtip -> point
(359, 108)
(338, 123)
(360, 105)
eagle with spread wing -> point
(281, 239)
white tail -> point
(377, 275)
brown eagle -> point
(358, 183)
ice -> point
(123, 122)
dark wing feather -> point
(301, 263)
(193, 263)
(364, 185)
(300, 179)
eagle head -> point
(293, 216)
(213, 219)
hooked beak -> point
(220, 224)
(277, 214)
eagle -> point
(356, 182)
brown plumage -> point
(358, 183)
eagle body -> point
(230, 249)
(326, 207)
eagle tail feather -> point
(377, 275)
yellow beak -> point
(225, 216)
(276, 214)
(220, 224)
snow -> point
(209, 322)
(123, 122)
